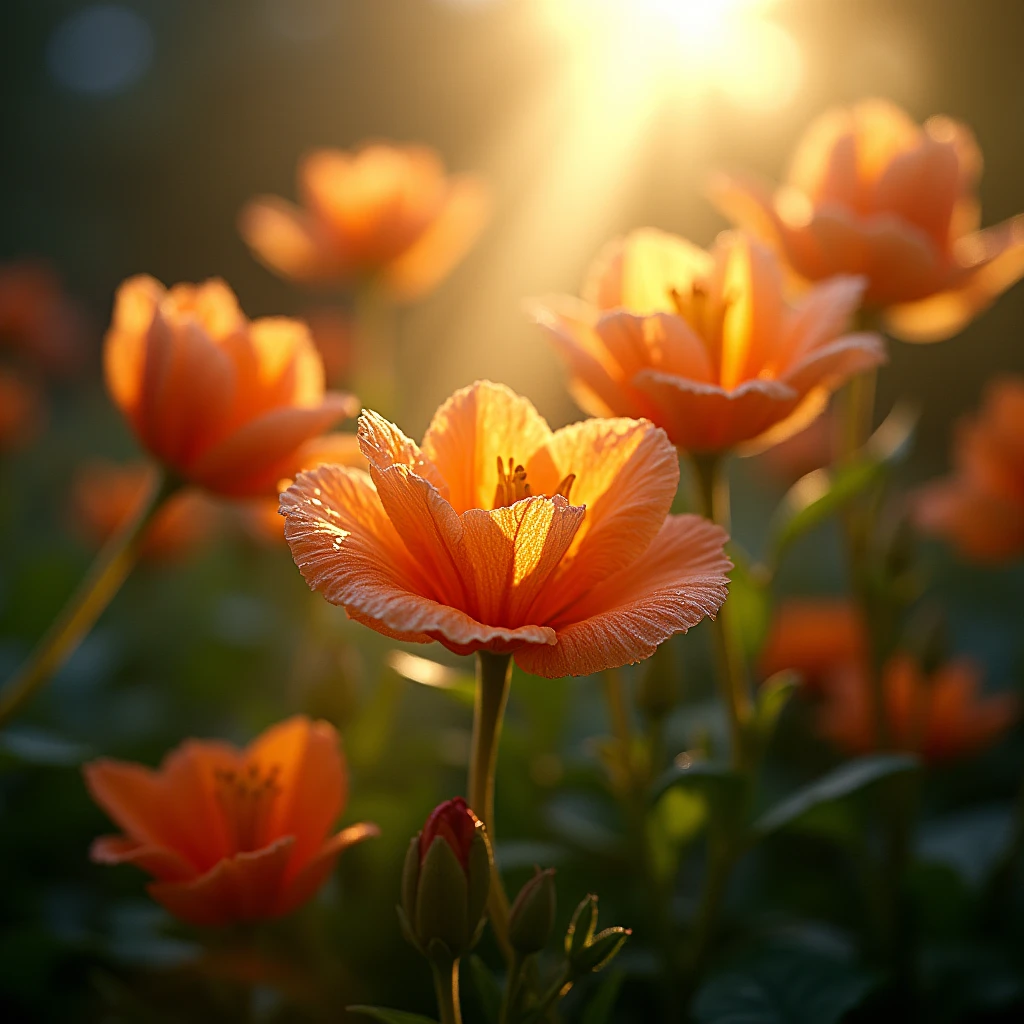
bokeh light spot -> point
(100, 50)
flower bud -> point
(446, 881)
(588, 953)
(532, 915)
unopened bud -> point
(532, 915)
(445, 882)
(587, 952)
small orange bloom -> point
(941, 717)
(231, 835)
(104, 496)
(472, 539)
(980, 509)
(261, 518)
(22, 411)
(870, 192)
(224, 402)
(704, 344)
(815, 637)
(39, 320)
(380, 211)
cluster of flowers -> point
(498, 535)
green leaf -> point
(599, 1009)
(488, 991)
(426, 672)
(38, 747)
(848, 778)
(750, 604)
(386, 1016)
(970, 842)
(722, 790)
(820, 494)
(782, 987)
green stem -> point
(446, 985)
(713, 483)
(493, 679)
(376, 377)
(553, 994)
(720, 863)
(79, 615)
(511, 994)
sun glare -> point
(694, 45)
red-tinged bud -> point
(445, 882)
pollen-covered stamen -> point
(512, 485)
(246, 798)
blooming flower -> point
(704, 344)
(382, 212)
(941, 717)
(816, 638)
(231, 835)
(225, 403)
(980, 509)
(472, 539)
(104, 496)
(870, 192)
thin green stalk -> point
(713, 484)
(79, 615)
(720, 864)
(446, 985)
(493, 679)
(377, 351)
(511, 995)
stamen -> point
(565, 486)
(246, 798)
(512, 484)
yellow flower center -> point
(246, 798)
(513, 487)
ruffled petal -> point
(832, 364)
(821, 315)
(472, 430)
(246, 887)
(627, 474)
(679, 580)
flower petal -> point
(160, 861)
(246, 887)
(832, 364)
(312, 781)
(679, 580)
(472, 430)
(286, 240)
(304, 885)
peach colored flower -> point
(223, 402)
(870, 192)
(38, 320)
(816, 638)
(379, 212)
(22, 411)
(941, 717)
(261, 518)
(498, 534)
(231, 835)
(980, 509)
(704, 344)
(105, 495)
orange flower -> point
(21, 411)
(385, 212)
(105, 495)
(39, 320)
(872, 193)
(222, 401)
(941, 717)
(981, 507)
(231, 835)
(472, 540)
(815, 637)
(261, 518)
(704, 344)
